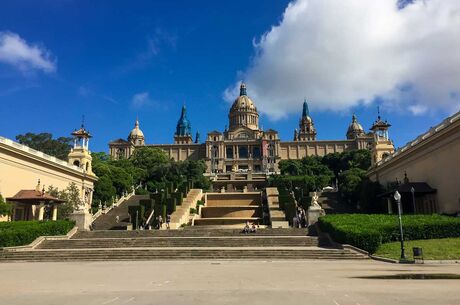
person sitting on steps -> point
(246, 228)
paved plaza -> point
(223, 282)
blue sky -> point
(113, 60)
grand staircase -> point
(191, 243)
(109, 221)
(332, 204)
(230, 209)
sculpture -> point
(314, 201)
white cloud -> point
(339, 54)
(26, 57)
(418, 109)
(141, 99)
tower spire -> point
(305, 110)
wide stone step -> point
(222, 221)
(168, 254)
(180, 242)
(230, 211)
(195, 231)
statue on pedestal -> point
(314, 202)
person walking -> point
(160, 222)
(168, 221)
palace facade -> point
(245, 147)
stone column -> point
(41, 210)
(54, 212)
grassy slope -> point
(442, 249)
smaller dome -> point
(354, 129)
(136, 132)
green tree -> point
(104, 191)
(290, 167)
(6, 208)
(45, 143)
(350, 182)
(149, 157)
(71, 197)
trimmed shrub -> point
(137, 215)
(369, 231)
(19, 233)
(171, 205)
(178, 196)
(290, 211)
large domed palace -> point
(245, 147)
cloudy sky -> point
(113, 61)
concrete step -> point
(230, 211)
(108, 221)
(246, 241)
(280, 223)
(168, 254)
(221, 221)
(195, 231)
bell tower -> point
(80, 155)
(307, 131)
(183, 134)
(382, 146)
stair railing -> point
(150, 217)
(104, 210)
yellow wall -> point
(433, 158)
(21, 167)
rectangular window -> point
(229, 152)
(256, 152)
(243, 152)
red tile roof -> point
(33, 196)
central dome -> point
(243, 102)
(243, 112)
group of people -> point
(250, 228)
(160, 222)
(299, 220)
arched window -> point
(76, 163)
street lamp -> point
(397, 197)
(412, 190)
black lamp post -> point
(397, 197)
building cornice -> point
(40, 157)
(422, 140)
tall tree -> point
(5, 207)
(45, 143)
(71, 197)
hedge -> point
(369, 231)
(19, 233)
